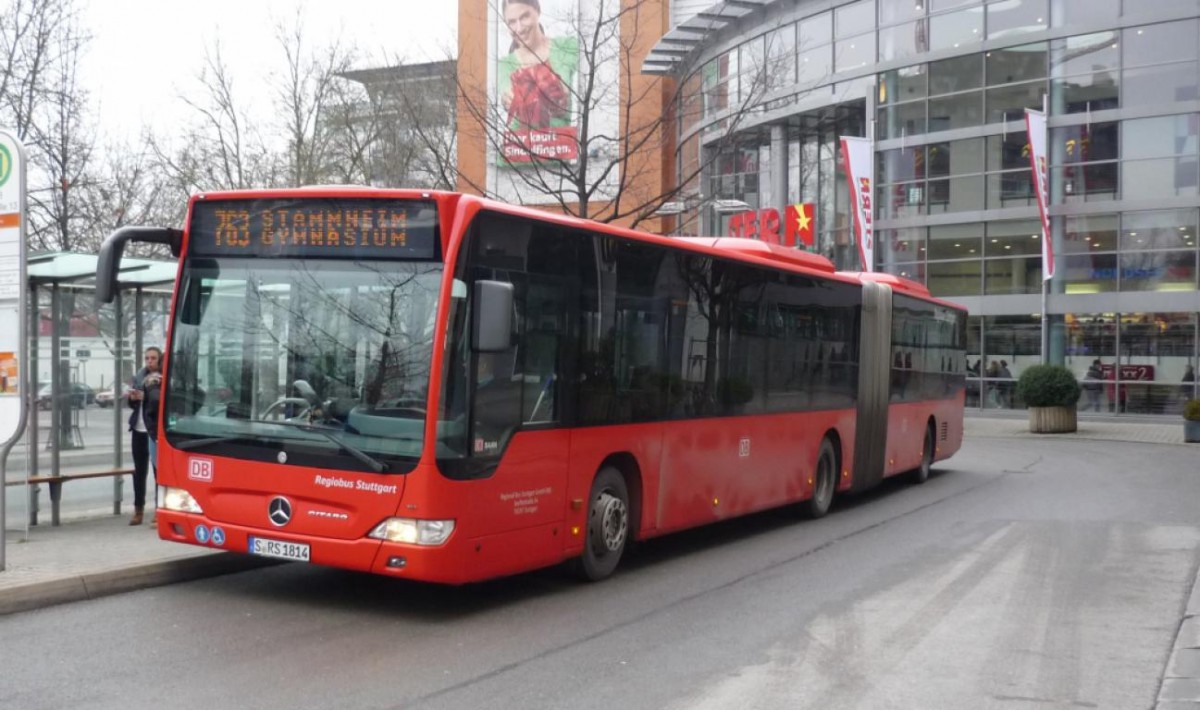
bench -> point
(56, 484)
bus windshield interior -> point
(317, 362)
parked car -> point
(78, 395)
(105, 397)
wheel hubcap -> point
(610, 522)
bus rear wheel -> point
(920, 474)
(824, 482)
(607, 526)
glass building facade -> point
(942, 87)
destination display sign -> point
(315, 228)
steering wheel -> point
(278, 410)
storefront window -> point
(962, 157)
(1008, 238)
(900, 120)
(816, 30)
(957, 111)
(1086, 183)
(1155, 352)
(1160, 229)
(1010, 344)
(957, 74)
(902, 84)
(1159, 44)
(956, 241)
(1011, 189)
(1089, 235)
(960, 194)
(1008, 103)
(1158, 271)
(1163, 84)
(902, 41)
(854, 18)
(1011, 276)
(854, 53)
(1164, 177)
(1008, 152)
(1016, 64)
(1016, 17)
(954, 278)
(1085, 54)
(781, 57)
(1088, 273)
(1066, 13)
(956, 29)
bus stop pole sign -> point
(13, 316)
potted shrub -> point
(1050, 392)
(1191, 421)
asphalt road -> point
(1030, 573)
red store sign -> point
(798, 225)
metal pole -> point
(118, 386)
(56, 385)
(35, 346)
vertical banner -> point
(1035, 125)
(13, 320)
(858, 157)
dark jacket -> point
(149, 403)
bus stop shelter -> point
(61, 299)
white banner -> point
(858, 156)
(1035, 125)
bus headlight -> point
(177, 499)
(413, 532)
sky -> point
(144, 53)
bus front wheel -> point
(607, 526)
(825, 478)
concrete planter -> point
(1052, 420)
(1191, 431)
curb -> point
(94, 585)
(1181, 679)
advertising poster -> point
(536, 76)
(542, 94)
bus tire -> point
(825, 478)
(920, 474)
(607, 526)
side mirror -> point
(113, 247)
(492, 328)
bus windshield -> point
(315, 362)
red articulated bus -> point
(440, 387)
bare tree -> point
(63, 143)
(223, 149)
(307, 96)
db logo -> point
(200, 470)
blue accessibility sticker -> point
(218, 536)
(202, 534)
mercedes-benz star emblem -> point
(279, 511)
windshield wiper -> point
(331, 434)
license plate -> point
(278, 548)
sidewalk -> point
(86, 559)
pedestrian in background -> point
(1092, 385)
(139, 426)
